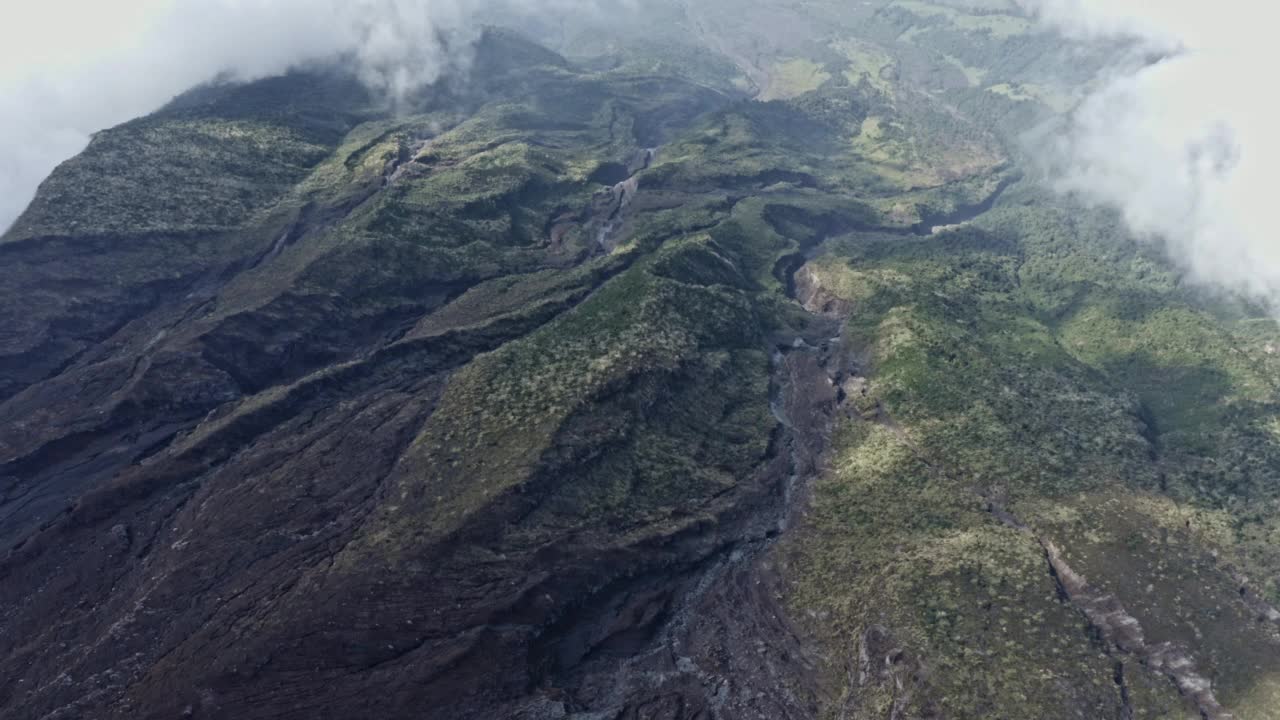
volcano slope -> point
(624, 389)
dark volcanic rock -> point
(225, 493)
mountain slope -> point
(709, 379)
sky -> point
(82, 29)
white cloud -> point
(1187, 148)
(69, 68)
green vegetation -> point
(237, 149)
(1026, 375)
(998, 25)
(1022, 361)
(1042, 363)
(867, 63)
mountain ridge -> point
(600, 389)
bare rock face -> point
(1124, 631)
(818, 299)
(884, 665)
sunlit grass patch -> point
(1000, 26)
(974, 75)
(867, 63)
(1027, 92)
(794, 77)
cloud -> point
(1187, 148)
(69, 69)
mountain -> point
(734, 364)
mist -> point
(1185, 148)
(71, 69)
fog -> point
(72, 67)
(1185, 147)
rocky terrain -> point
(698, 373)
